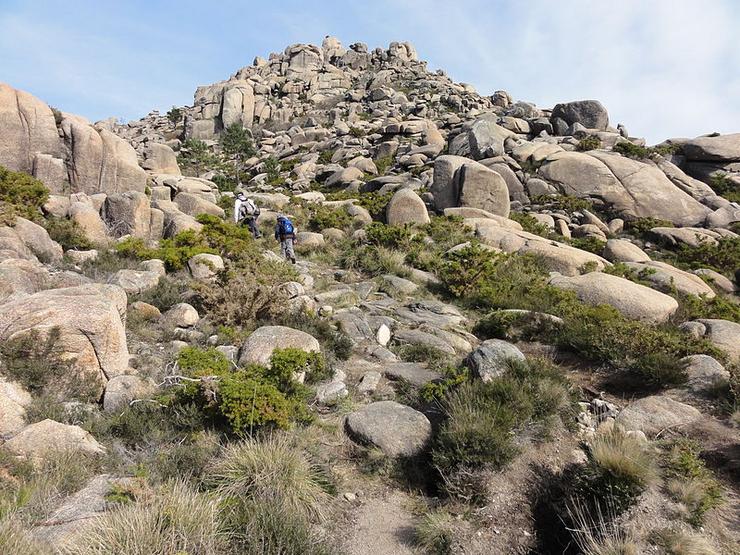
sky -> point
(663, 68)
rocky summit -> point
(494, 327)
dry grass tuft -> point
(273, 470)
(177, 520)
(599, 534)
(624, 457)
(436, 531)
(681, 542)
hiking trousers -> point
(286, 248)
(252, 224)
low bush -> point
(590, 244)
(174, 114)
(323, 217)
(374, 260)
(177, 519)
(692, 307)
(618, 470)
(20, 195)
(244, 400)
(486, 280)
(168, 292)
(33, 360)
(530, 224)
(632, 150)
(391, 236)
(568, 203)
(481, 418)
(67, 233)
(724, 256)
(641, 226)
(592, 142)
(725, 186)
(195, 158)
(690, 482)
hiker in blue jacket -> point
(285, 232)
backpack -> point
(248, 209)
(286, 226)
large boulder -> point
(27, 128)
(19, 275)
(482, 138)
(258, 347)
(623, 250)
(655, 414)
(194, 205)
(37, 239)
(589, 113)
(632, 188)
(89, 221)
(38, 440)
(406, 207)
(128, 213)
(725, 335)
(633, 300)
(13, 402)
(134, 282)
(100, 160)
(557, 257)
(397, 430)
(160, 158)
(491, 358)
(85, 324)
(667, 278)
(704, 374)
(718, 148)
(459, 181)
(483, 188)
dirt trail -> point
(383, 526)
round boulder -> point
(205, 265)
(259, 346)
(490, 359)
(37, 440)
(406, 207)
(397, 430)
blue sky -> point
(664, 68)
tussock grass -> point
(273, 471)
(624, 458)
(177, 520)
(435, 532)
(681, 542)
(596, 533)
(15, 540)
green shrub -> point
(201, 362)
(167, 293)
(286, 363)
(383, 164)
(690, 482)
(325, 156)
(724, 186)
(563, 202)
(724, 256)
(641, 226)
(196, 158)
(236, 141)
(692, 307)
(530, 224)
(20, 195)
(592, 142)
(392, 236)
(356, 132)
(174, 252)
(272, 168)
(482, 417)
(374, 260)
(632, 150)
(323, 217)
(452, 376)
(174, 115)
(34, 361)
(67, 233)
(250, 398)
(590, 244)
(225, 184)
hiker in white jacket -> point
(246, 212)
